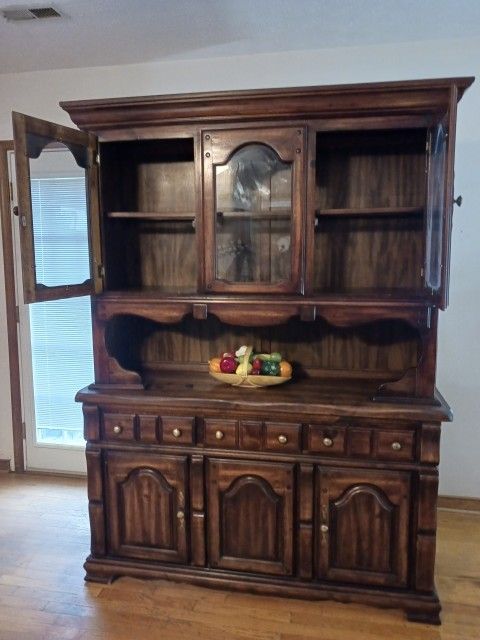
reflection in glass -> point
(60, 218)
(253, 193)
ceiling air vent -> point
(19, 14)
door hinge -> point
(10, 186)
(17, 314)
(24, 430)
(97, 158)
(101, 271)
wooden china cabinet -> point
(311, 221)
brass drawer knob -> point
(219, 435)
(282, 439)
(328, 442)
(396, 446)
(324, 528)
(180, 515)
(176, 432)
(117, 429)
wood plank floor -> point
(44, 539)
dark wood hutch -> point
(311, 221)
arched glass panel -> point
(253, 205)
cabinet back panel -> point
(370, 169)
(353, 253)
(143, 254)
(148, 176)
(377, 348)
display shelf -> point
(162, 216)
(271, 214)
(370, 211)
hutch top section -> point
(339, 192)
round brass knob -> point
(117, 429)
(282, 439)
(396, 446)
(219, 435)
(328, 442)
(180, 515)
(324, 528)
(176, 432)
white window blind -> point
(61, 333)
(60, 230)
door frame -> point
(6, 204)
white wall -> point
(38, 94)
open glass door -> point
(60, 244)
(439, 210)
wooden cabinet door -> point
(254, 183)
(146, 506)
(362, 526)
(250, 506)
(58, 209)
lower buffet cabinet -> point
(286, 527)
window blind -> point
(61, 332)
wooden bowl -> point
(242, 379)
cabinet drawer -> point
(177, 430)
(394, 445)
(282, 436)
(221, 433)
(328, 440)
(118, 426)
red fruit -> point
(228, 354)
(255, 372)
(257, 364)
(228, 365)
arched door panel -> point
(362, 526)
(251, 516)
(146, 504)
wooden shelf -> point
(170, 216)
(371, 211)
(272, 214)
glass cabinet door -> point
(57, 186)
(253, 209)
(439, 209)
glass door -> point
(253, 209)
(60, 244)
(439, 210)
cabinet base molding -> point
(418, 607)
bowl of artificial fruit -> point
(245, 368)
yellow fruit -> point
(285, 369)
(214, 365)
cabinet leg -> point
(94, 574)
(89, 577)
(424, 617)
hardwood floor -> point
(44, 539)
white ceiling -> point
(110, 32)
